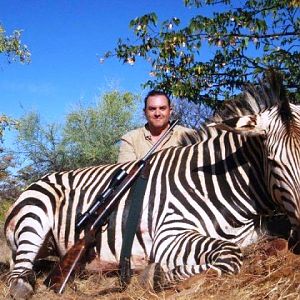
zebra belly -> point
(99, 264)
(108, 258)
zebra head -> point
(275, 125)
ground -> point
(270, 271)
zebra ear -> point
(246, 125)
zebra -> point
(203, 202)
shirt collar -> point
(147, 133)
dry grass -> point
(270, 271)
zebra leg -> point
(25, 236)
(224, 257)
(189, 255)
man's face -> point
(158, 111)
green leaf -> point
(215, 54)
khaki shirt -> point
(136, 143)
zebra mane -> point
(257, 98)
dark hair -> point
(156, 93)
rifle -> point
(96, 217)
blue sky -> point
(66, 39)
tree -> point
(190, 114)
(246, 38)
(41, 146)
(5, 122)
(92, 133)
(9, 186)
(88, 137)
(13, 47)
(15, 50)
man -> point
(136, 143)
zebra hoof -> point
(153, 277)
(20, 289)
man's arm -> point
(126, 152)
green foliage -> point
(4, 206)
(9, 187)
(92, 133)
(41, 145)
(15, 50)
(6, 122)
(88, 137)
(243, 40)
(13, 47)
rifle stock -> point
(61, 273)
(95, 218)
